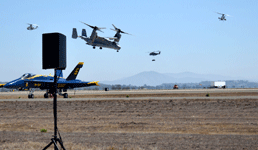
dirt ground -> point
(132, 124)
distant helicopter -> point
(32, 26)
(94, 40)
(154, 53)
(222, 18)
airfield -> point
(136, 119)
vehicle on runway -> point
(30, 81)
(32, 26)
(96, 41)
(155, 53)
(222, 18)
(175, 86)
(218, 84)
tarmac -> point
(137, 91)
(85, 92)
(135, 98)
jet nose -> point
(7, 85)
(13, 84)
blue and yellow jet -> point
(29, 81)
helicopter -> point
(31, 27)
(222, 18)
(154, 53)
(96, 41)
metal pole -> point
(55, 109)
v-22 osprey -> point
(96, 41)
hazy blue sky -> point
(187, 32)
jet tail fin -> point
(75, 71)
(84, 33)
(74, 35)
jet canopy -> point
(27, 75)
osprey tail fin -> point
(74, 35)
(84, 33)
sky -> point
(188, 34)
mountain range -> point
(153, 78)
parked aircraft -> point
(29, 81)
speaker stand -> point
(55, 140)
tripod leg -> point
(60, 140)
(56, 147)
(61, 143)
(48, 145)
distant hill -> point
(154, 78)
(149, 78)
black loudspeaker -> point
(53, 51)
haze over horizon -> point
(188, 34)
(154, 78)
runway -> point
(135, 98)
(109, 95)
(78, 92)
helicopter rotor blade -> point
(101, 31)
(115, 27)
(100, 28)
(94, 27)
(87, 24)
(224, 14)
(119, 30)
(125, 33)
(219, 13)
(32, 24)
(111, 38)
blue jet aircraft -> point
(29, 81)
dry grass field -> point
(133, 124)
